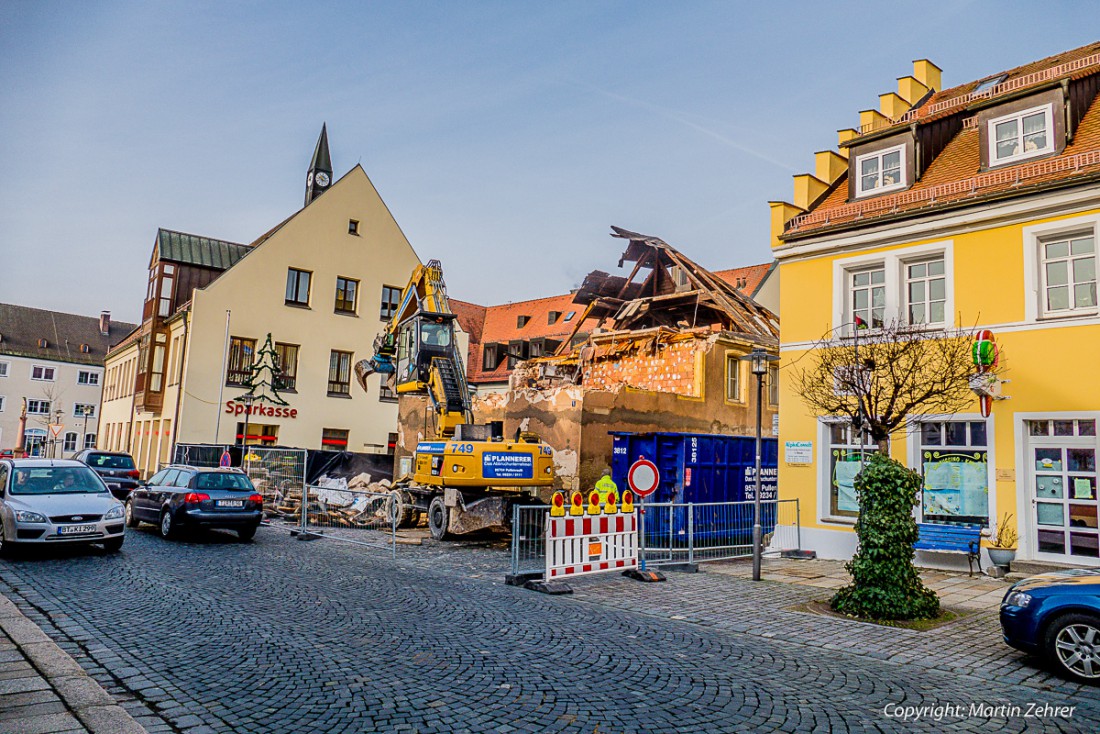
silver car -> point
(56, 501)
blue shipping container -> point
(702, 468)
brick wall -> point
(671, 370)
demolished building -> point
(663, 352)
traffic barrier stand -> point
(587, 545)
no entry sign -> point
(643, 477)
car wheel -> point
(248, 533)
(1073, 646)
(131, 518)
(438, 518)
(7, 550)
(167, 525)
(113, 545)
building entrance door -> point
(1062, 483)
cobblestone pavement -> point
(288, 636)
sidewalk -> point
(955, 589)
(44, 691)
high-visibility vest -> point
(606, 486)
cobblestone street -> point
(281, 635)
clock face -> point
(309, 179)
(322, 178)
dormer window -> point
(1021, 135)
(881, 171)
(521, 321)
(553, 316)
(987, 84)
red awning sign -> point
(643, 477)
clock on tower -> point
(320, 168)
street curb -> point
(92, 705)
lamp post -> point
(86, 410)
(57, 420)
(759, 361)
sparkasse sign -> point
(234, 408)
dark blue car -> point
(1057, 615)
(180, 498)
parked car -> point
(180, 498)
(116, 467)
(1057, 615)
(48, 502)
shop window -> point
(391, 299)
(1069, 274)
(258, 434)
(1021, 135)
(339, 374)
(297, 287)
(955, 467)
(346, 291)
(334, 439)
(881, 171)
(848, 451)
(286, 359)
(239, 370)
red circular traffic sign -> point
(643, 477)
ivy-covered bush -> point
(885, 585)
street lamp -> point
(56, 421)
(87, 411)
(759, 360)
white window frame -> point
(5, 368)
(77, 414)
(47, 403)
(1035, 278)
(991, 135)
(51, 378)
(3, 399)
(92, 378)
(906, 280)
(895, 262)
(824, 470)
(913, 451)
(880, 154)
(733, 369)
(71, 441)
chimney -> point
(105, 323)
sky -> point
(505, 137)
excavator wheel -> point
(397, 503)
(438, 518)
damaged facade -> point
(659, 349)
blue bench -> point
(951, 539)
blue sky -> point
(506, 137)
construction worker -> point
(607, 487)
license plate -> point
(230, 503)
(75, 529)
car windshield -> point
(110, 461)
(223, 480)
(56, 480)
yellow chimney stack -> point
(829, 165)
(806, 190)
(892, 105)
(927, 73)
(872, 120)
(782, 212)
(911, 90)
(843, 136)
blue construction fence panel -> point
(698, 468)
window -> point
(4, 367)
(848, 451)
(334, 439)
(239, 370)
(165, 301)
(391, 299)
(535, 348)
(339, 373)
(553, 316)
(1020, 135)
(1069, 273)
(490, 359)
(2, 399)
(955, 467)
(70, 442)
(569, 316)
(40, 372)
(925, 292)
(880, 171)
(680, 278)
(733, 377)
(867, 297)
(989, 83)
(353, 226)
(773, 385)
(517, 350)
(346, 290)
(386, 394)
(156, 368)
(38, 407)
(391, 443)
(84, 409)
(297, 287)
(84, 377)
(286, 359)
(521, 321)
(89, 440)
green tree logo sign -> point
(262, 378)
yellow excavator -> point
(467, 477)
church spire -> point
(319, 177)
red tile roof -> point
(746, 279)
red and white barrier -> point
(581, 545)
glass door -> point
(1063, 490)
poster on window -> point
(846, 466)
(956, 487)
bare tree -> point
(878, 378)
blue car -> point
(1057, 616)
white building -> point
(54, 362)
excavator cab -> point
(420, 339)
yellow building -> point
(321, 283)
(972, 206)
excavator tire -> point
(438, 518)
(407, 515)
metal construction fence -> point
(676, 533)
(350, 515)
